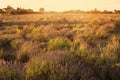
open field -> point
(60, 47)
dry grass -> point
(91, 39)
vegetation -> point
(60, 46)
(10, 10)
(42, 10)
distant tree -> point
(30, 11)
(116, 11)
(9, 9)
(95, 11)
(22, 11)
(41, 10)
(1, 10)
(107, 12)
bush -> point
(75, 47)
(59, 44)
(37, 35)
(23, 57)
(16, 43)
(23, 33)
(54, 66)
(104, 59)
(11, 73)
(102, 32)
(31, 48)
(105, 69)
(113, 47)
(6, 55)
(58, 65)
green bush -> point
(75, 47)
(58, 66)
(59, 44)
(113, 47)
(16, 43)
(54, 66)
(37, 35)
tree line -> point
(19, 10)
(95, 11)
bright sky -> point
(61, 5)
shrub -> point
(105, 30)
(6, 55)
(6, 52)
(23, 57)
(37, 35)
(93, 22)
(75, 47)
(11, 73)
(115, 72)
(104, 68)
(104, 59)
(59, 44)
(1, 53)
(26, 47)
(85, 49)
(113, 47)
(16, 43)
(117, 23)
(102, 32)
(26, 30)
(31, 48)
(57, 66)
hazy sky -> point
(61, 5)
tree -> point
(1, 10)
(95, 11)
(116, 11)
(9, 9)
(42, 10)
(107, 12)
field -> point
(59, 46)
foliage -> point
(59, 67)
(23, 57)
(11, 10)
(11, 73)
(59, 44)
(42, 10)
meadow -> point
(60, 46)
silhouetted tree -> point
(9, 9)
(1, 10)
(41, 10)
(95, 11)
(107, 12)
(116, 11)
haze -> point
(62, 5)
